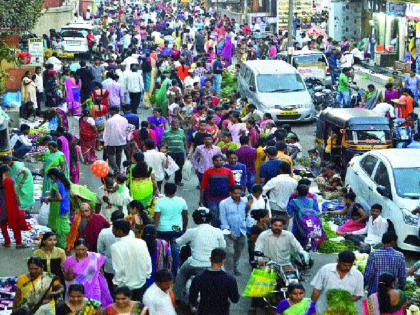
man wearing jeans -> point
(233, 218)
(217, 72)
(174, 139)
(343, 95)
(171, 220)
(135, 87)
(115, 138)
(215, 187)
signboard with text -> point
(36, 49)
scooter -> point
(402, 133)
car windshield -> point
(270, 83)
(309, 60)
(407, 182)
(367, 136)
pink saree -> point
(88, 272)
(73, 96)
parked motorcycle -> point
(402, 133)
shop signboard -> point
(36, 49)
(396, 9)
(413, 11)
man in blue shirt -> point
(217, 74)
(133, 119)
(238, 169)
(271, 168)
(233, 219)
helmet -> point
(202, 215)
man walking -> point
(86, 76)
(215, 187)
(233, 219)
(341, 275)
(385, 259)
(247, 156)
(202, 158)
(158, 161)
(115, 138)
(215, 287)
(135, 87)
(131, 260)
(157, 297)
(174, 139)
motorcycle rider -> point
(202, 240)
(278, 244)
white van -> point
(74, 37)
(276, 87)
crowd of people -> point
(122, 252)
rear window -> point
(74, 33)
(309, 59)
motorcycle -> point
(287, 273)
(402, 133)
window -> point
(368, 164)
(271, 83)
(381, 176)
(407, 183)
(371, 137)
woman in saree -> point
(387, 301)
(86, 268)
(54, 158)
(78, 304)
(63, 144)
(87, 132)
(162, 101)
(24, 182)
(296, 303)
(37, 289)
(58, 217)
(159, 250)
(87, 225)
(99, 110)
(28, 89)
(227, 51)
(142, 183)
(124, 305)
(72, 87)
(352, 217)
(53, 257)
(51, 86)
(372, 97)
(158, 124)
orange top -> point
(406, 103)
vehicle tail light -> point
(328, 71)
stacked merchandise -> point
(7, 294)
(304, 9)
(32, 236)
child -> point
(315, 162)
(27, 110)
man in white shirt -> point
(39, 83)
(157, 298)
(375, 228)
(131, 260)
(384, 110)
(280, 188)
(202, 239)
(135, 87)
(115, 137)
(58, 65)
(20, 142)
(111, 197)
(341, 275)
(105, 240)
(158, 161)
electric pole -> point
(290, 32)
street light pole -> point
(290, 32)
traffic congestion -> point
(164, 157)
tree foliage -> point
(17, 16)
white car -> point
(74, 36)
(391, 178)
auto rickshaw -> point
(342, 133)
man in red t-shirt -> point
(91, 42)
(215, 187)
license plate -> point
(288, 113)
(73, 42)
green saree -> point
(52, 160)
(26, 191)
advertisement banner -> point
(396, 9)
(36, 49)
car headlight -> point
(409, 218)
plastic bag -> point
(172, 166)
(187, 171)
(43, 214)
(260, 283)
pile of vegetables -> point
(340, 302)
(412, 291)
(361, 261)
(229, 84)
(330, 246)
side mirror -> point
(252, 89)
(383, 191)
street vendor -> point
(20, 142)
(329, 183)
